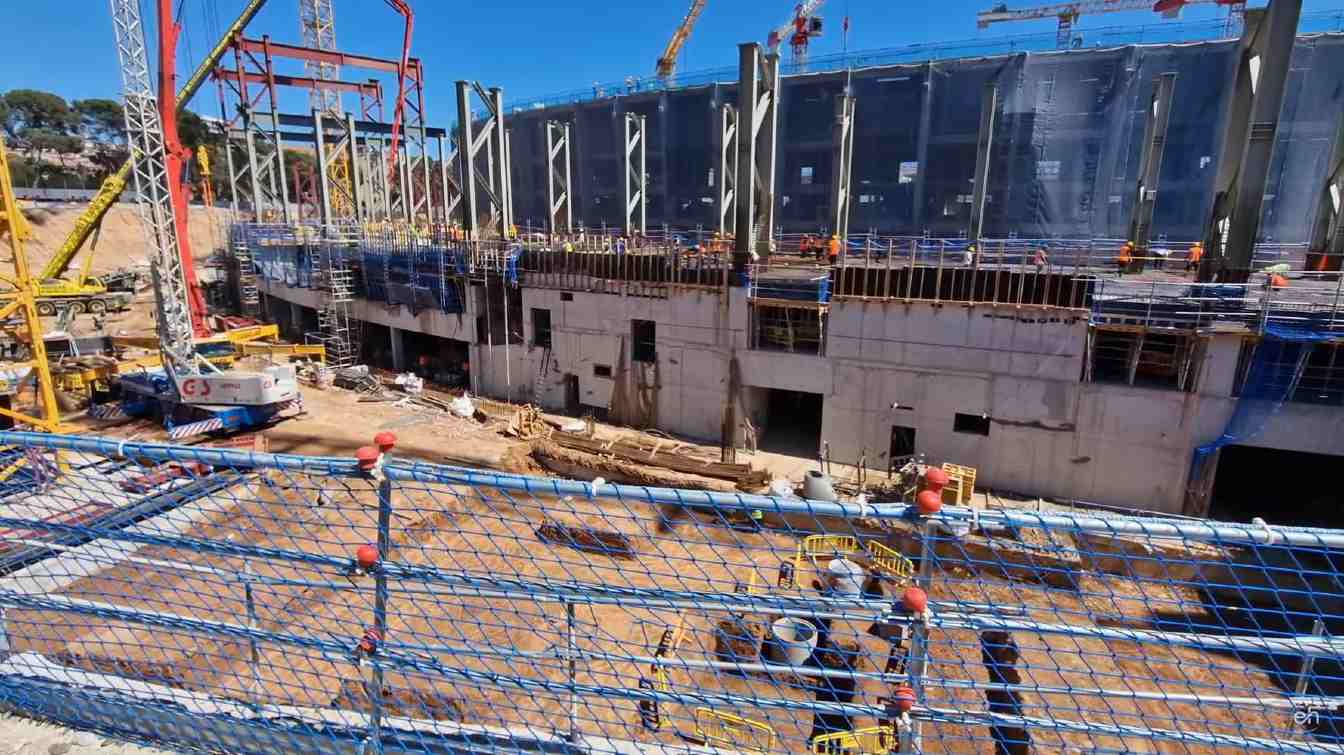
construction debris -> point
(583, 465)
(603, 542)
(668, 454)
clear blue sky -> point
(529, 47)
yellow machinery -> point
(23, 301)
(83, 292)
(667, 62)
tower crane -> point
(191, 398)
(1067, 14)
(667, 62)
(799, 30)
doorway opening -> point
(1250, 482)
(793, 423)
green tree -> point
(193, 131)
(101, 120)
(32, 109)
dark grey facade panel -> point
(1065, 159)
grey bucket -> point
(795, 639)
(817, 487)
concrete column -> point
(296, 318)
(394, 336)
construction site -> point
(943, 398)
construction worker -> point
(805, 245)
(1125, 257)
(1040, 259)
(833, 249)
(567, 247)
(968, 256)
(1277, 281)
(1193, 256)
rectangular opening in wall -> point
(1145, 358)
(972, 424)
(644, 336)
(797, 330)
(902, 445)
(602, 370)
(541, 328)
(566, 296)
(792, 423)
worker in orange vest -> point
(1125, 257)
(1277, 281)
(1193, 256)
(833, 249)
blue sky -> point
(529, 47)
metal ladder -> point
(249, 299)
(335, 282)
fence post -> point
(253, 651)
(911, 740)
(374, 744)
(1309, 662)
(573, 672)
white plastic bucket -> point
(795, 639)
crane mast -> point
(667, 62)
(154, 199)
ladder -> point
(249, 298)
(336, 285)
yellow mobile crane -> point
(87, 293)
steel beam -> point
(1252, 123)
(560, 214)
(984, 146)
(471, 145)
(332, 57)
(1150, 163)
(448, 176)
(757, 103)
(842, 165)
(922, 146)
(636, 175)
(727, 167)
(370, 88)
(1327, 232)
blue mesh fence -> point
(213, 599)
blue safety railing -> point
(277, 603)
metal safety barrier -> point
(219, 599)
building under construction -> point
(984, 304)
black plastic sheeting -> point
(1068, 137)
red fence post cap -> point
(367, 456)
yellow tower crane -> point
(667, 62)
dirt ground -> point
(493, 535)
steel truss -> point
(758, 105)
(487, 143)
(636, 175)
(560, 216)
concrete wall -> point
(890, 363)
(691, 373)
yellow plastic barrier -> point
(727, 730)
(875, 740)
(811, 547)
(890, 561)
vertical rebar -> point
(253, 651)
